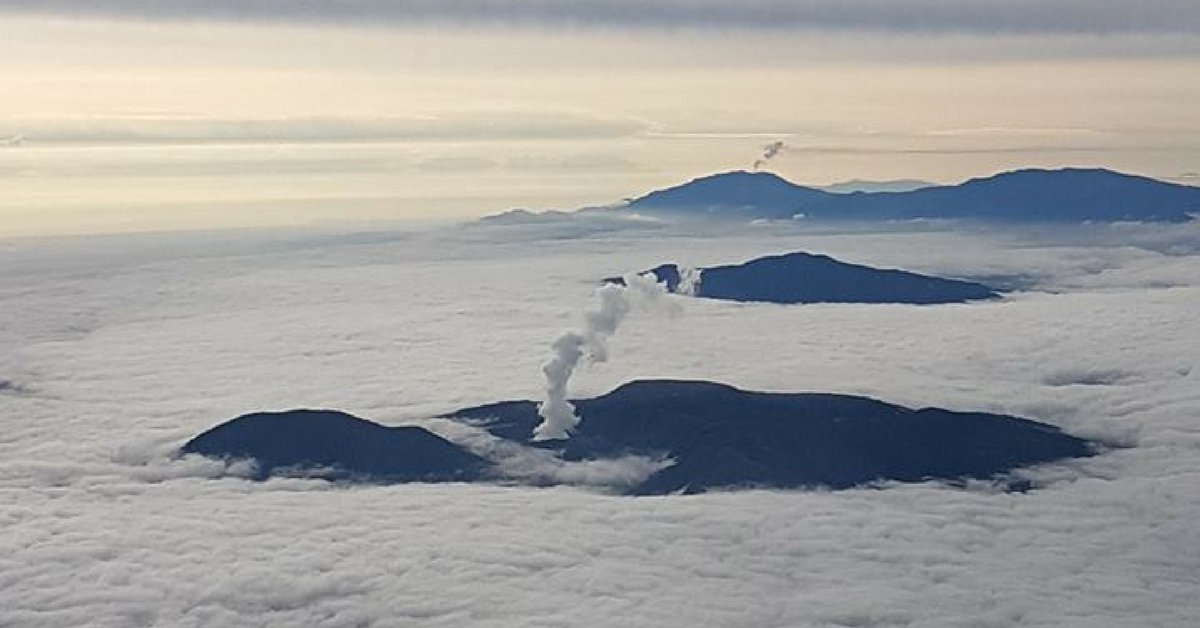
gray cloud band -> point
(987, 16)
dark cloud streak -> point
(903, 16)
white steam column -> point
(616, 301)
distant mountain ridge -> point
(738, 194)
(801, 277)
(1030, 195)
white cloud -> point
(125, 348)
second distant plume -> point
(769, 153)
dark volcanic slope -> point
(739, 194)
(1066, 195)
(724, 437)
(341, 445)
(1031, 195)
(807, 278)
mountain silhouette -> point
(337, 445)
(717, 437)
(807, 278)
(740, 194)
(1030, 195)
(723, 437)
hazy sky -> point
(140, 115)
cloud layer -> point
(124, 347)
(184, 129)
(920, 16)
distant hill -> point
(337, 445)
(1033, 195)
(742, 195)
(723, 437)
(806, 278)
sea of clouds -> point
(115, 350)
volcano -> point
(723, 437)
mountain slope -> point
(717, 436)
(737, 194)
(806, 278)
(336, 445)
(723, 437)
(1031, 195)
(1070, 194)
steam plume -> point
(616, 301)
(769, 153)
(689, 281)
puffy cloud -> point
(124, 347)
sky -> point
(140, 116)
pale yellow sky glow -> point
(121, 124)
